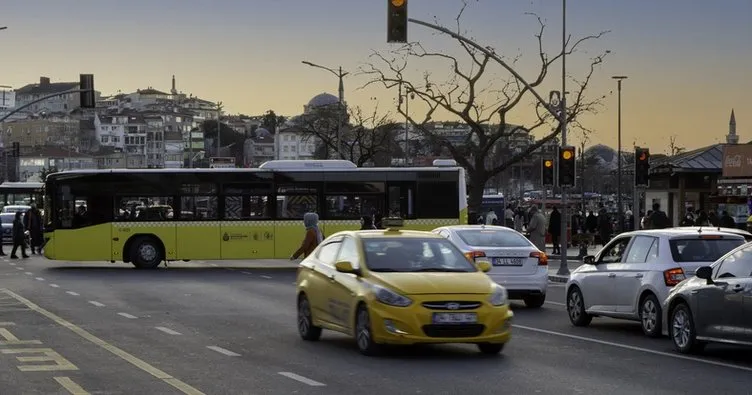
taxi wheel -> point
(490, 348)
(576, 308)
(364, 334)
(307, 330)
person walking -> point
(19, 236)
(313, 236)
(33, 222)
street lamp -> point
(407, 99)
(219, 129)
(619, 209)
(340, 76)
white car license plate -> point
(455, 318)
(507, 262)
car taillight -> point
(475, 254)
(542, 257)
(673, 276)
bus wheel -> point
(146, 253)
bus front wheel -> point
(146, 253)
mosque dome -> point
(262, 132)
(322, 100)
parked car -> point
(715, 306)
(7, 223)
(747, 235)
(517, 264)
(632, 275)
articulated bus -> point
(147, 216)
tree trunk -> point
(475, 196)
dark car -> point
(7, 222)
(714, 306)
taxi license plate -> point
(507, 262)
(455, 318)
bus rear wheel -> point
(146, 253)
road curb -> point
(555, 278)
(273, 268)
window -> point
(614, 251)
(400, 201)
(352, 206)
(414, 255)
(328, 252)
(82, 201)
(493, 238)
(349, 252)
(247, 201)
(438, 199)
(198, 202)
(641, 248)
(738, 264)
(702, 248)
(151, 208)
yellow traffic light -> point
(398, 3)
(548, 163)
(567, 154)
(643, 157)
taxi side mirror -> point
(484, 266)
(345, 267)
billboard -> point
(737, 160)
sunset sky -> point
(689, 62)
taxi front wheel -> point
(364, 334)
(307, 330)
(491, 348)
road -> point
(196, 328)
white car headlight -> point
(498, 296)
(387, 296)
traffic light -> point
(567, 172)
(642, 167)
(548, 177)
(396, 21)
(86, 84)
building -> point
(31, 164)
(63, 103)
(174, 145)
(259, 149)
(155, 139)
(52, 130)
(294, 143)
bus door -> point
(400, 199)
(83, 230)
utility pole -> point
(341, 95)
(564, 243)
(619, 208)
(219, 129)
(407, 121)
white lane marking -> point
(304, 380)
(556, 285)
(634, 348)
(54, 286)
(266, 277)
(249, 273)
(40, 279)
(19, 268)
(28, 273)
(95, 303)
(167, 330)
(126, 315)
(72, 293)
(223, 351)
(213, 264)
(11, 263)
(556, 303)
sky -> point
(688, 62)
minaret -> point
(731, 137)
(173, 91)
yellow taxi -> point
(400, 287)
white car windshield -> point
(492, 238)
(414, 255)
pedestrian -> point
(537, 228)
(33, 222)
(366, 223)
(491, 218)
(19, 236)
(658, 218)
(605, 225)
(313, 236)
(554, 228)
(727, 221)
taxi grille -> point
(463, 330)
(451, 305)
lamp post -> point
(219, 129)
(619, 209)
(407, 99)
(341, 91)
(563, 242)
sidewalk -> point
(573, 262)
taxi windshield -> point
(413, 255)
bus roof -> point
(250, 170)
(21, 185)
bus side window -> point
(400, 201)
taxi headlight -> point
(387, 296)
(498, 296)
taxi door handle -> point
(612, 275)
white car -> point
(516, 263)
(632, 275)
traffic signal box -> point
(396, 23)
(548, 176)
(642, 167)
(567, 172)
(86, 84)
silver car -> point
(7, 224)
(714, 306)
(516, 263)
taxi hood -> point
(436, 283)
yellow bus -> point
(147, 216)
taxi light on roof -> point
(394, 222)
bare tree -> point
(366, 138)
(673, 147)
(472, 95)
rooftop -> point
(706, 159)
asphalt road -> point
(196, 328)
